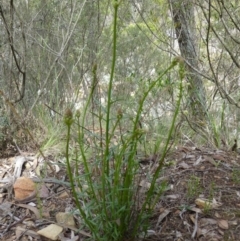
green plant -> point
(110, 205)
(208, 205)
(193, 187)
(4, 129)
(215, 130)
(49, 132)
(211, 190)
(236, 176)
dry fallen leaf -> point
(73, 237)
(43, 191)
(210, 160)
(20, 160)
(234, 222)
(33, 209)
(162, 216)
(20, 231)
(183, 148)
(173, 196)
(184, 165)
(219, 157)
(204, 203)
(223, 224)
(192, 217)
(200, 159)
(207, 221)
(196, 210)
(144, 183)
(5, 208)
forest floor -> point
(202, 201)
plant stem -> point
(70, 175)
(109, 101)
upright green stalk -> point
(109, 101)
(68, 119)
(173, 64)
(148, 200)
(105, 161)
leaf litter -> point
(210, 211)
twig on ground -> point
(195, 225)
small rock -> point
(51, 231)
(65, 219)
(63, 195)
(23, 188)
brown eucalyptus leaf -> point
(223, 224)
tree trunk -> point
(183, 18)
